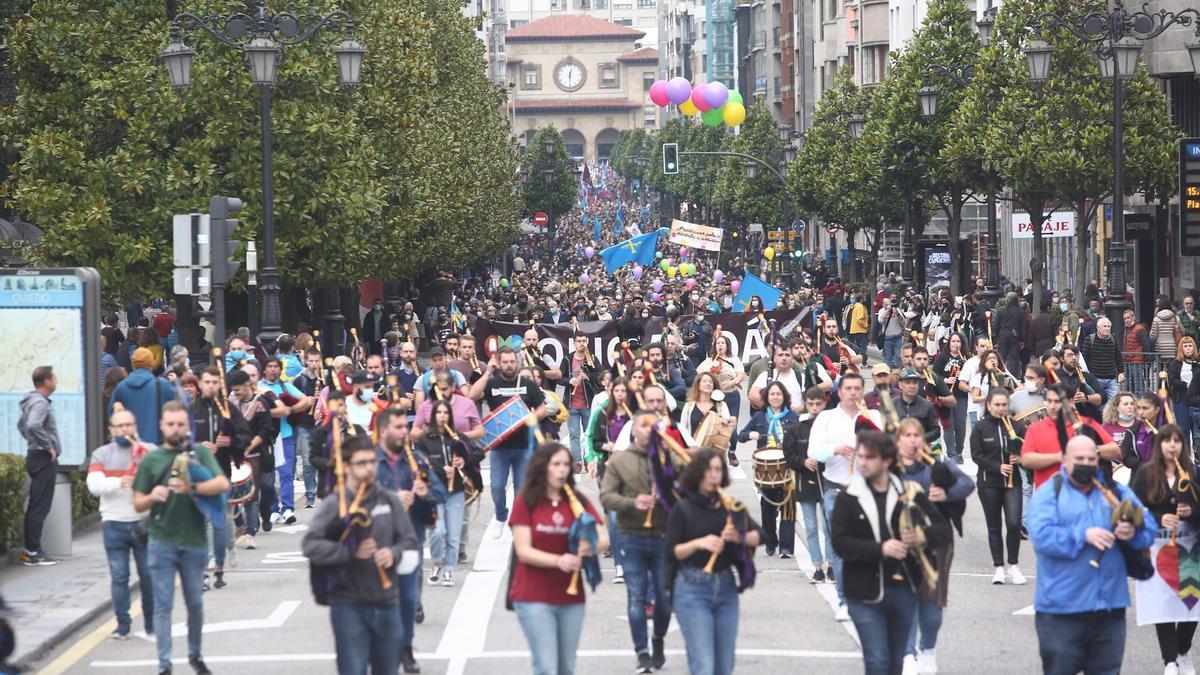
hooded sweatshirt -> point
(136, 393)
(1162, 333)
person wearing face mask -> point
(374, 325)
(1121, 420)
(1032, 390)
(1181, 372)
(1043, 448)
(110, 477)
(1082, 587)
(698, 335)
(359, 408)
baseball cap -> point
(881, 369)
(362, 377)
(437, 351)
(910, 373)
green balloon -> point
(734, 96)
(712, 117)
(664, 265)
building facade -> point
(587, 77)
(640, 15)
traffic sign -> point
(540, 219)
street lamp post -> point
(1117, 34)
(262, 36)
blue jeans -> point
(410, 597)
(891, 350)
(642, 554)
(859, 342)
(706, 606)
(165, 560)
(1069, 643)
(929, 618)
(263, 499)
(502, 461)
(363, 635)
(217, 532)
(302, 437)
(812, 540)
(553, 634)
(287, 476)
(614, 544)
(447, 533)
(118, 544)
(831, 493)
(733, 401)
(1108, 387)
(883, 627)
(577, 421)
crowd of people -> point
(1065, 452)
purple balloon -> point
(679, 90)
(718, 276)
(637, 271)
(654, 297)
(657, 285)
(588, 252)
(585, 279)
(716, 94)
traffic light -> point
(222, 244)
(670, 158)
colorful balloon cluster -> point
(713, 101)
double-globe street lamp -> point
(1117, 35)
(262, 36)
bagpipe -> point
(940, 473)
(582, 529)
(1015, 442)
(188, 469)
(913, 517)
(469, 475)
(1137, 563)
(357, 353)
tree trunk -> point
(1037, 265)
(953, 234)
(876, 243)
(1083, 248)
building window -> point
(649, 115)
(531, 77)
(622, 4)
(647, 80)
(704, 62)
(831, 11)
(647, 3)
(874, 64)
(517, 22)
(556, 5)
(600, 4)
(585, 4)
(623, 22)
(608, 76)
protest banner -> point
(692, 235)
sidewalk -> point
(53, 602)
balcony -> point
(759, 42)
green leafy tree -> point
(908, 144)
(550, 185)
(392, 178)
(1052, 142)
(758, 199)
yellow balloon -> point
(769, 253)
(688, 108)
(733, 113)
(672, 271)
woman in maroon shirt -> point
(541, 516)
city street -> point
(266, 620)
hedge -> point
(12, 500)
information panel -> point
(1189, 196)
(50, 317)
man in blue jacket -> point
(143, 394)
(1080, 608)
(420, 494)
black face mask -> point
(1082, 474)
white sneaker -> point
(842, 614)
(288, 516)
(250, 542)
(927, 661)
(276, 518)
(1015, 577)
(1171, 669)
(1186, 667)
(497, 528)
(447, 578)
(435, 575)
(999, 577)
(909, 667)
(619, 577)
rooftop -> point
(571, 27)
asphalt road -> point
(265, 621)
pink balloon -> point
(657, 285)
(699, 100)
(588, 252)
(638, 270)
(689, 283)
(585, 279)
(718, 276)
(658, 93)
(682, 252)
(734, 286)
(678, 90)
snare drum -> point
(1031, 415)
(771, 469)
(242, 480)
(714, 432)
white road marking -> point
(275, 620)
(284, 558)
(290, 529)
(672, 628)
(466, 628)
(1024, 611)
(513, 654)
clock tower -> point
(587, 77)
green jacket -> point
(1191, 325)
(626, 476)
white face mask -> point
(1124, 418)
(1031, 386)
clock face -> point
(570, 76)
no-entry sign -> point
(540, 219)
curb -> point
(39, 652)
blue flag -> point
(595, 228)
(640, 250)
(752, 285)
